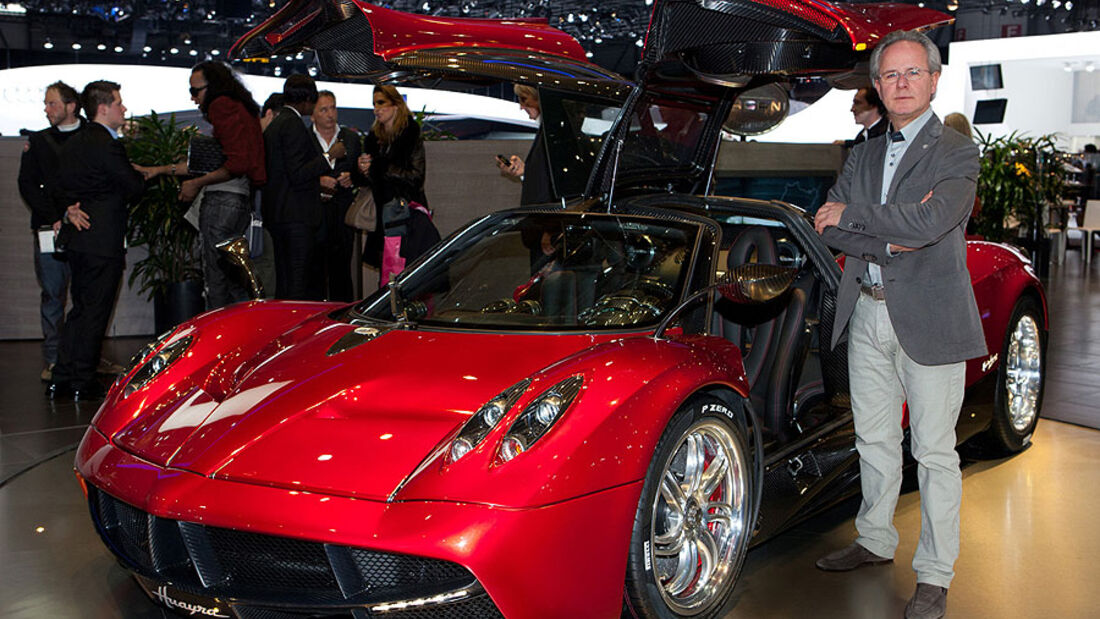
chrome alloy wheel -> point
(1023, 373)
(699, 517)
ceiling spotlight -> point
(278, 71)
(48, 44)
(1056, 3)
(1069, 6)
(147, 49)
(588, 54)
(174, 50)
(101, 46)
(193, 52)
(312, 71)
(118, 49)
(952, 5)
(214, 52)
(186, 39)
(77, 46)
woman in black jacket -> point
(393, 161)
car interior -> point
(779, 340)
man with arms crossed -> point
(898, 212)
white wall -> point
(164, 90)
(1038, 89)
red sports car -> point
(561, 411)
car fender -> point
(632, 387)
(223, 340)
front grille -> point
(272, 577)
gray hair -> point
(930, 50)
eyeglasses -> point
(910, 75)
(195, 91)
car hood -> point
(313, 414)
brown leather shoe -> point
(849, 558)
(928, 602)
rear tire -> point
(693, 523)
(1021, 376)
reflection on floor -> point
(1029, 535)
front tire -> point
(1020, 379)
(693, 523)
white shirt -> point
(894, 153)
(326, 145)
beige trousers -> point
(882, 378)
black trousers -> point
(296, 261)
(336, 249)
(94, 288)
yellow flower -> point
(1021, 170)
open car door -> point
(710, 65)
(361, 40)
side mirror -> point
(746, 284)
(756, 283)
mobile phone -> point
(504, 160)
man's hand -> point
(828, 215)
(897, 249)
(515, 167)
(338, 151)
(78, 217)
(328, 184)
(344, 180)
(56, 226)
(189, 189)
(147, 172)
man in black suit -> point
(37, 183)
(869, 111)
(337, 238)
(96, 182)
(292, 195)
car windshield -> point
(547, 271)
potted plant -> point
(170, 274)
(1020, 176)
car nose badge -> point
(355, 337)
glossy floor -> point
(1029, 543)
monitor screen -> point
(990, 112)
(986, 77)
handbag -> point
(363, 212)
(204, 154)
(395, 217)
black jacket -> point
(398, 169)
(292, 193)
(876, 130)
(349, 163)
(97, 174)
(38, 172)
(537, 182)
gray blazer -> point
(928, 292)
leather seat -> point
(771, 336)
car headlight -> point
(146, 350)
(484, 420)
(538, 417)
(156, 363)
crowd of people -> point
(288, 162)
